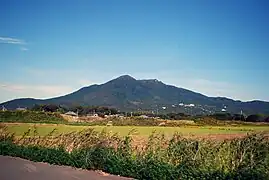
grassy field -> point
(156, 157)
(44, 129)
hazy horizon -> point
(134, 78)
(216, 48)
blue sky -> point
(50, 48)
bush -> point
(239, 117)
(223, 116)
(30, 117)
(255, 118)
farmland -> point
(43, 129)
(180, 149)
(173, 157)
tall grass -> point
(159, 157)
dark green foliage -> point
(256, 118)
(222, 116)
(49, 108)
(228, 116)
(239, 117)
(176, 116)
(82, 110)
(30, 117)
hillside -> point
(129, 94)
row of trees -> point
(218, 116)
(85, 110)
(241, 117)
(81, 110)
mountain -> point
(128, 94)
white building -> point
(71, 113)
(92, 115)
(143, 116)
(21, 109)
(189, 105)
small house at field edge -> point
(70, 113)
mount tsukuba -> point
(128, 94)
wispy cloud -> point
(47, 89)
(85, 82)
(10, 91)
(10, 87)
(206, 86)
(24, 49)
(9, 40)
(77, 78)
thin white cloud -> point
(219, 89)
(72, 77)
(10, 87)
(214, 88)
(24, 49)
(8, 40)
(85, 82)
(11, 91)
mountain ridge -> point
(129, 94)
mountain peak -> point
(128, 94)
(122, 79)
(125, 77)
(152, 80)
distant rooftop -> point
(71, 113)
(21, 109)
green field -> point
(44, 129)
(213, 152)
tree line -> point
(241, 117)
(81, 110)
(101, 111)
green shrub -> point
(30, 117)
